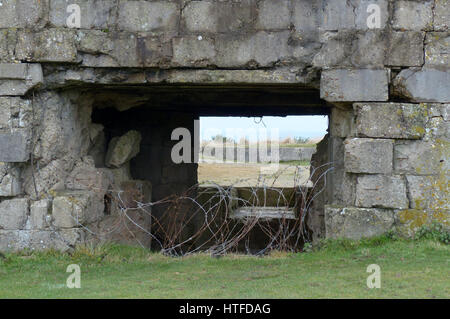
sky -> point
(290, 126)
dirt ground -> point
(239, 174)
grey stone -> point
(193, 51)
(201, 16)
(342, 122)
(441, 15)
(347, 48)
(39, 214)
(22, 14)
(413, 15)
(306, 16)
(436, 49)
(357, 223)
(424, 85)
(420, 157)
(122, 149)
(429, 193)
(98, 14)
(405, 49)
(114, 49)
(381, 191)
(10, 183)
(366, 155)
(261, 49)
(354, 85)
(76, 208)
(236, 16)
(8, 39)
(17, 79)
(274, 14)
(13, 213)
(85, 176)
(15, 112)
(390, 120)
(63, 240)
(51, 45)
(14, 147)
(338, 15)
(148, 16)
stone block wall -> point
(387, 88)
(396, 155)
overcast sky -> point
(290, 126)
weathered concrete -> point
(364, 155)
(390, 120)
(354, 85)
(153, 66)
(381, 191)
(357, 223)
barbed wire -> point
(205, 217)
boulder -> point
(122, 149)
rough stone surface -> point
(357, 223)
(64, 239)
(424, 85)
(262, 49)
(193, 50)
(436, 49)
(13, 213)
(76, 208)
(441, 15)
(381, 191)
(413, 15)
(420, 157)
(200, 16)
(274, 14)
(429, 193)
(14, 147)
(96, 14)
(354, 85)
(405, 49)
(17, 79)
(122, 149)
(366, 155)
(52, 45)
(10, 183)
(342, 122)
(40, 214)
(148, 16)
(390, 120)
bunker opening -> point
(167, 182)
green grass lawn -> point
(409, 269)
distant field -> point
(226, 174)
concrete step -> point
(263, 213)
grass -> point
(296, 163)
(409, 269)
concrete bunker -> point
(388, 85)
